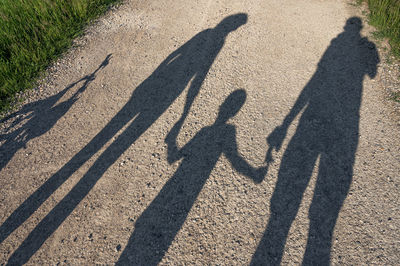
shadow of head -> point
(231, 23)
(231, 106)
(353, 24)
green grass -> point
(395, 96)
(385, 16)
(33, 33)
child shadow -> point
(156, 228)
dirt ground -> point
(206, 132)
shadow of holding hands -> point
(188, 64)
(328, 129)
(160, 222)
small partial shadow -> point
(36, 118)
(33, 120)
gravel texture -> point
(207, 132)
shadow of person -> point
(190, 62)
(328, 129)
(156, 228)
(39, 117)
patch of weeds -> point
(385, 16)
(378, 35)
(356, 3)
(389, 60)
(395, 96)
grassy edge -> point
(384, 15)
(391, 56)
(18, 96)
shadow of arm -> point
(173, 153)
(275, 139)
(373, 59)
(240, 164)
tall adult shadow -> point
(328, 130)
(156, 228)
(36, 118)
(189, 63)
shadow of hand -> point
(170, 140)
(260, 174)
(275, 139)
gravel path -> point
(206, 132)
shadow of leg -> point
(34, 201)
(331, 189)
(158, 225)
(64, 208)
(294, 175)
